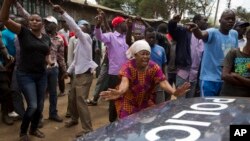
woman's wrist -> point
(174, 93)
(119, 92)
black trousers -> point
(61, 83)
(114, 81)
(5, 94)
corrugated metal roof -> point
(97, 6)
(113, 10)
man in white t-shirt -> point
(240, 27)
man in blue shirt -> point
(157, 55)
(217, 44)
(8, 40)
(5, 91)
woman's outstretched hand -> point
(183, 89)
(110, 94)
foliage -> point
(160, 8)
(115, 4)
(203, 7)
(242, 14)
(153, 9)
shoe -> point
(82, 133)
(70, 123)
(40, 124)
(17, 118)
(37, 133)
(7, 120)
(24, 138)
(13, 114)
(91, 102)
(67, 115)
(61, 94)
(56, 118)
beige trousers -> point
(78, 106)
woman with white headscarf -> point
(139, 76)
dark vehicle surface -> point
(201, 119)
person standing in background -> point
(65, 34)
(57, 57)
(31, 72)
(83, 67)
(158, 55)
(241, 27)
(6, 92)
(236, 71)
(116, 49)
(218, 42)
(190, 73)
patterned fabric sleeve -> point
(158, 74)
(126, 70)
(60, 53)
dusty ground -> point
(56, 131)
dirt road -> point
(56, 131)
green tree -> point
(160, 8)
(115, 4)
(242, 14)
(149, 8)
(128, 6)
(203, 7)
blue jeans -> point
(52, 75)
(17, 96)
(210, 88)
(33, 86)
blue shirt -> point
(8, 38)
(216, 48)
(158, 55)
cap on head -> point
(241, 24)
(82, 22)
(51, 19)
(117, 20)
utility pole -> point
(217, 7)
(229, 4)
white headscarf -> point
(136, 47)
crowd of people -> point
(141, 67)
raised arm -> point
(129, 32)
(71, 23)
(98, 32)
(105, 22)
(4, 17)
(172, 26)
(21, 11)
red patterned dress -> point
(140, 94)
